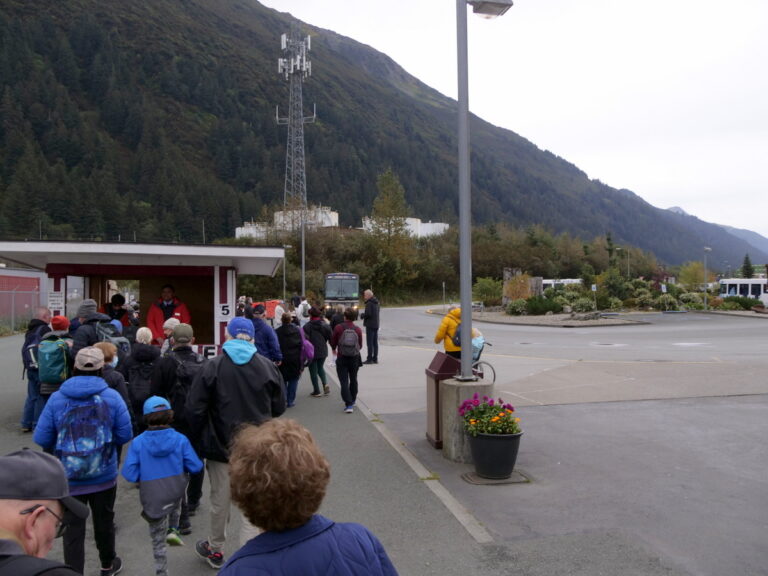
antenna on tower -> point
(295, 67)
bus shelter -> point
(204, 276)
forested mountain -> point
(140, 119)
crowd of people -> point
(151, 408)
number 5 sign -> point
(225, 312)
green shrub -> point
(584, 305)
(691, 298)
(730, 305)
(562, 301)
(615, 304)
(743, 301)
(488, 290)
(666, 302)
(643, 299)
(517, 307)
(538, 305)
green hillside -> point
(142, 119)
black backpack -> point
(140, 385)
(185, 374)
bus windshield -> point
(341, 288)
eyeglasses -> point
(61, 526)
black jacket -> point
(225, 395)
(371, 315)
(289, 338)
(86, 335)
(35, 331)
(164, 380)
(319, 333)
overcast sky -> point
(665, 98)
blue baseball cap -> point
(156, 404)
(240, 325)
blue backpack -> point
(84, 442)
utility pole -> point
(295, 67)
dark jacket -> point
(236, 387)
(35, 331)
(319, 333)
(318, 548)
(140, 354)
(265, 340)
(13, 560)
(289, 338)
(164, 380)
(141, 361)
(116, 381)
(159, 460)
(370, 316)
(86, 335)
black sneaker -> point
(192, 508)
(117, 567)
(369, 362)
(185, 528)
(215, 559)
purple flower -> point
(475, 396)
(476, 402)
(490, 402)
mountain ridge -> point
(168, 111)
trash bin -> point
(441, 368)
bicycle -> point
(481, 368)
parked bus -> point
(749, 287)
(341, 288)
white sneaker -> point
(349, 410)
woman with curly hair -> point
(278, 478)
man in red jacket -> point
(167, 306)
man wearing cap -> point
(238, 386)
(92, 477)
(168, 327)
(264, 336)
(167, 306)
(86, 334)
(180, 366)
(34, 496)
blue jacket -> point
(159, 460)
(265, 340)
(318, 548)
(80, 388)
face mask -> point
(114, 362)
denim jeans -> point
(372, 341)
(290, 390)
(34, 404)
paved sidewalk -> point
(373, 484)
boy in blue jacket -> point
(160, 460)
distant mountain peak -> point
(678, 210)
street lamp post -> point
(285, 246)
(490, 10)
(706, 249)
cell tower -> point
(295, 67)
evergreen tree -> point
(747, 270)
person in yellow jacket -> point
(447, 330)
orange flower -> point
(495, 419)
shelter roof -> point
(57, 256)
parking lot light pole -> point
(706, 249)
(488, 10)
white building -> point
(415, 227)
(283, 220)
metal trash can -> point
(441, 368)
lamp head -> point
(490, 9)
